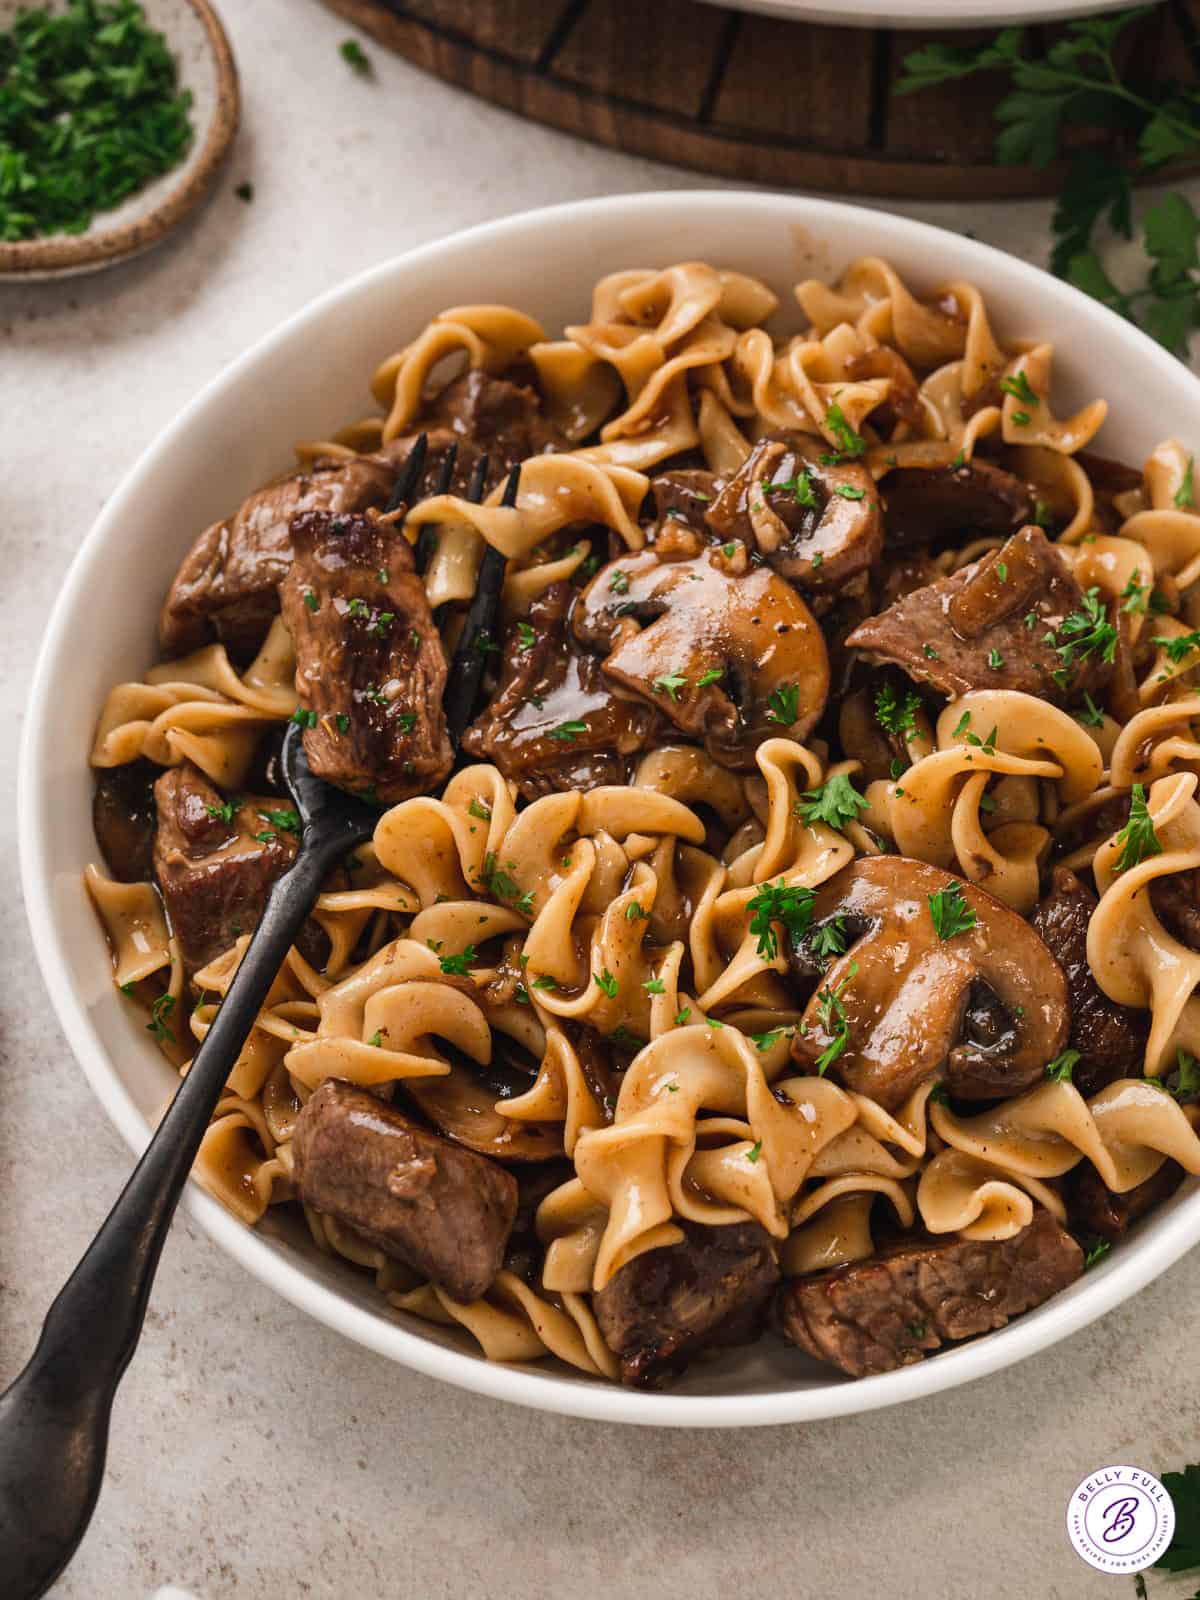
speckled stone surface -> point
(253, 1452)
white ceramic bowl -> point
(302, 381)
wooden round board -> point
(796, 105)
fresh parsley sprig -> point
(1074, 85)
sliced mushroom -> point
(462, 1104)
(816, 520)
(728, 651)
(985, 1008)
(922, 506)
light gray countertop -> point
(255, 1453)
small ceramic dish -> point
(206, 67)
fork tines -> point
(478, 638)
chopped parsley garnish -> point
(456, 966)
(1091, 716)
(1018, 386)
(1179, 647)
(90, 112)
(960, 460)
(634, 912)
(226, 811)
(478, 809)
(406, 721)
(303, 718)
(311, 601)
(713, 1022)
(800, 488)
(754, 1151)
(1060, 1069)
(381, 623)
(355, 57)
(987, 745)
(729, 550)
(526, 636)
(265, 837)
(713, 675)
(358, 608)
(670, 683)
(764, 1041)
(376, 1039)
(784, 704)
(126, 988)
(1185, 495)
(917, 1330)
(1095, 1249)
(1002, 571)
(832, 1012)
(929, 652)
(848, 442)
(896, 716)
(286, 821)
(938, 1094)
(158, 1025)
(1137, 838)
(607, 982)
(341, 722)
(1022, 419)
(1088, 632)
(1030, 619)
(950, 912)
(619, 582)
(569, 730)
(830, 938)
(682, 1016)
(1134, 594)
(654, 986)
(779, 902)
(835, 803)
(484, 643)
(544, 982)
(503, 886)
(995, 660)
(849, 492)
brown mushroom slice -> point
(729, 652)
(815, 520)
(985, 1008)
(921, 506)
(462, 1105)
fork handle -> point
(54, 1416)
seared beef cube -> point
(227, 586)
(922, 507)
(1176, 903)
(667, 1304)
(814, 519)
(215, 860)
(555, 722)
(684, 497)
(502, 419)
(887, 1312)
(1095, 1209)
(443, 1210)
(1017, 619)
(370, 667)
(124, 818)
(1111, 1039)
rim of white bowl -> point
(1116, 1280)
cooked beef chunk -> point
(494, 416)
(997, 624)
(816, 522)
(666, 1304)
(555, 722)
(370, 666)
(684, 496)
(215, 861)
(1111, 1039)
(123, 816)
(887, 1312)
(227, 586)
(1091, 1208)
(444, 1210)
(921, 506)
(1176, 903)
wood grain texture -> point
(791, 104)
